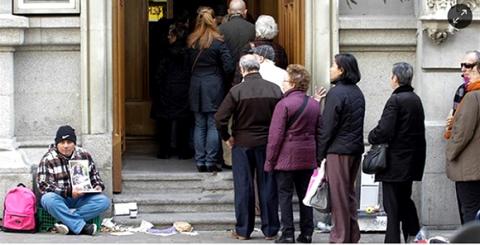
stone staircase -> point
(203, 199)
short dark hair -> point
(348, 64)
(299, 77)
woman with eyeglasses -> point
(463, 142)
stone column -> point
(96, 79)
(321, 39)
(13, 168)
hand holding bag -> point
(321, 199)
(375, 160)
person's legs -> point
(212, 143)
(243, 191)
(408, 211)
(469, 195)
(164, 129)
(391, 206)
(90, 206)
(353, 166)
(301, 179)
(183, 136)
(268, 197)
(340, 177)
(59, 208)
(285, 193)
(199, 138)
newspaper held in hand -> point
(79, 174)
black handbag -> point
(375, 160)
(321, 199)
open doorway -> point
(139, 35)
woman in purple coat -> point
(291, 150)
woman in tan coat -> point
(463, 145)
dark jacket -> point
(237, 32)
(342, 131)
(293, 148)
(171, 84)
(281, 59)
(251, 104)
(206, 85)
(402, 127)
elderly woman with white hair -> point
(266, 30)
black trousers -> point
(468, 195)
(286, 180)
(246, 162)
(182, 135)
(399, 207)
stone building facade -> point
(57, 69)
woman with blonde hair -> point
(291, 150)
(211, 60)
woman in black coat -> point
(211, 61)
(170, 95)
(402, 128)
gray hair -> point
(404, 73)
(477, 54)
(266, 27)
(249, 63)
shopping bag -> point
(315, 180)
(321, 199)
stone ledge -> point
(8, 21)
(377, 22)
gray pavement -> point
(202, 237)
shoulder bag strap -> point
(295, 116)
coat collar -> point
(292, 91)
(253, 75)
(404, 88)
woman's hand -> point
(320, 94)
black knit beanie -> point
(65, 133)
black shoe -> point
(213, 168)
(285, 239)
(304, 239)
(201, 168)
(225, 166)
(89, 229)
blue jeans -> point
(245, 162)
(206, 139)
(86, 208)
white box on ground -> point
(124, 208)
(368, 196)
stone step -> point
(205, 221)
(184, 202)
(179, 202)
(158, 182)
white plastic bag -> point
(315, 180)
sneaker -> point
(89, 229)
(61, 228)
(304, 239)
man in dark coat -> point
(251, 105)
(402, 127)
(237, 31)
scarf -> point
(470, 87)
